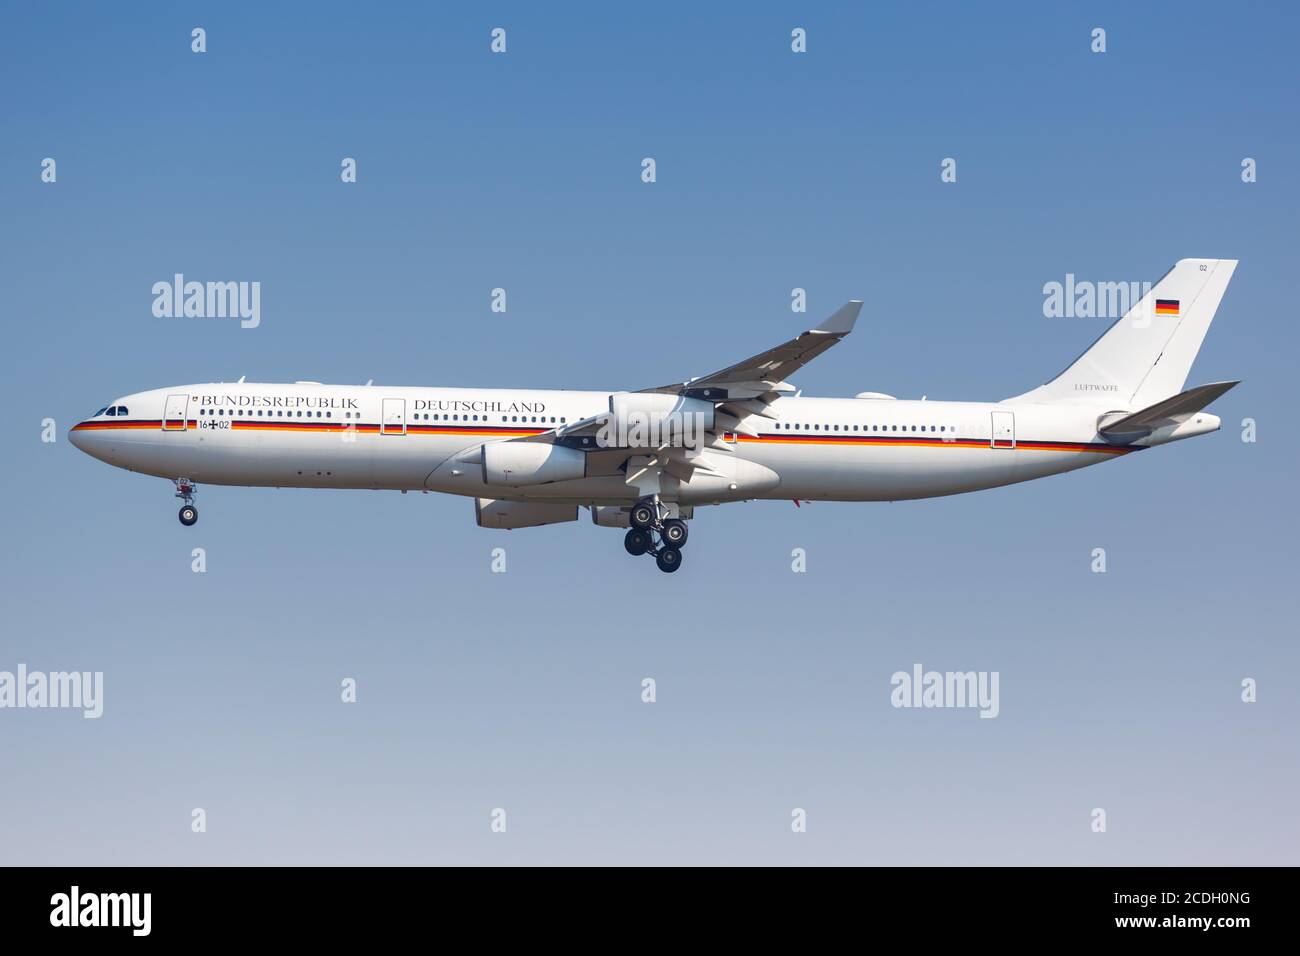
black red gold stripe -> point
(128, 424)
(491, 431)
(936, 442)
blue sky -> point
(522, 690)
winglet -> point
(841, 323)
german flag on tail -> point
(1166, 306)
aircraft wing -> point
(739, 390)
(767, 371)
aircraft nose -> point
(86, 438)
(77, 436)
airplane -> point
(645, 460)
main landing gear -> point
(652, 534)
(185, 491)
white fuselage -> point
(325, 436)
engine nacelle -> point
(518, 463)
(651, 419)
(609, 516)
(492, 513)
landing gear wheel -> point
(642, 517)
(674, 533)
(637, 542)
(668, 559)
(188, 515)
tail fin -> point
(1145, 357)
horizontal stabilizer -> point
(1171, 411)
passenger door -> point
(173, 419)
(1004, 430)
(393, 420)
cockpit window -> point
(100, 412)
(121, 410)
(111, 411)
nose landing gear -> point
(647, 523)
(185, 491)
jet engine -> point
(518, 463)
(609, 516)
(493, 513)
(651, 419)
